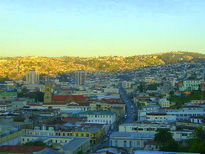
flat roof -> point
(136, 135)
(75, 143)
(159, 152)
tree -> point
(198, 134)
(35, 143)
(163, 136)
(197, 143)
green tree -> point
(35, 143)
(197, 143)
(163, 136)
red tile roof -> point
(65, 97)
(20, 149)
(78, 97)
(59, 97)
(55, 103)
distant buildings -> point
(32, 77)
(80, 77)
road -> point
(130, 112)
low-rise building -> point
(100, 117)
(160, 117)
(142, 127)
(130, 140)
(67, 145)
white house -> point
(100, 117)
(186, 112)
(160, 117)
(164, 103)
(190, 85)
(143, 127)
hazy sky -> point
(100, 27)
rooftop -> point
(98, 113)
(12, 94)
(20, 149)
(135, 135)
(75, 143)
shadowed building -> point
(80, 77)
(32, 77)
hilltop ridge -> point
(16, 67)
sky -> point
(100, 27)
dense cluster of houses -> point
(79, 118)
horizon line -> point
(157, 53)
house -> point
(65, 144)
(186, 112)
(197, 119)
(114, 105)
(100, 117)
(142, 127)
(164, 103)
(7, 96)
(190, 85)
(130, 140)
(94, 133)
(5, 107)
(160, 117)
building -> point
(164, 103)
(32, 77)
(80, 77)
(100, 117)
(160, 117)
(202, 87)
(76, 146)
(66, 145)
(9, 135)
(48, 93)
(43, 131)
(142, 127)
(186, 112)
(5, 107)
(8, 96)
(94, 133)
(130, 140)
(114, 105)
(190, 85)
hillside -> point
(16, 67)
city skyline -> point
(100, 28)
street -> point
(130, 112)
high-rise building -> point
(32, 77)
(202, 87)
(80, 77)
(48, 92)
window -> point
(116, 143)
(125, 144)
(130, 144)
